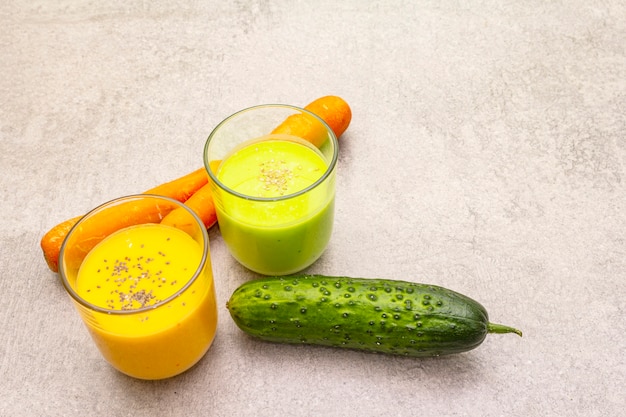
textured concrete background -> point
(487, 154)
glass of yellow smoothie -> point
(272, 170)
(142, 284)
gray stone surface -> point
(487, 154)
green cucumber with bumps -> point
(379, 315)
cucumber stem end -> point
(500, 328)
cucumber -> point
(379, 315)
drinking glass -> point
(272, 170)
(142, 284)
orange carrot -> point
(179, 189)
(201, 202)
(332, 109)
(51, 242)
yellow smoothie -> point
(162, 328)
(282, 229)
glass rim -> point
(322, 179)
(70, 290)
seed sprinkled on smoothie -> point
(275, 176)
(134, 275)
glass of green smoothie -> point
(272, 170)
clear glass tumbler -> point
(272, 170)
(143, 284)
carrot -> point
(51, 242)
(332, 109)
(201, 202)
(179, 189)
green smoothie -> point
(279, 219)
